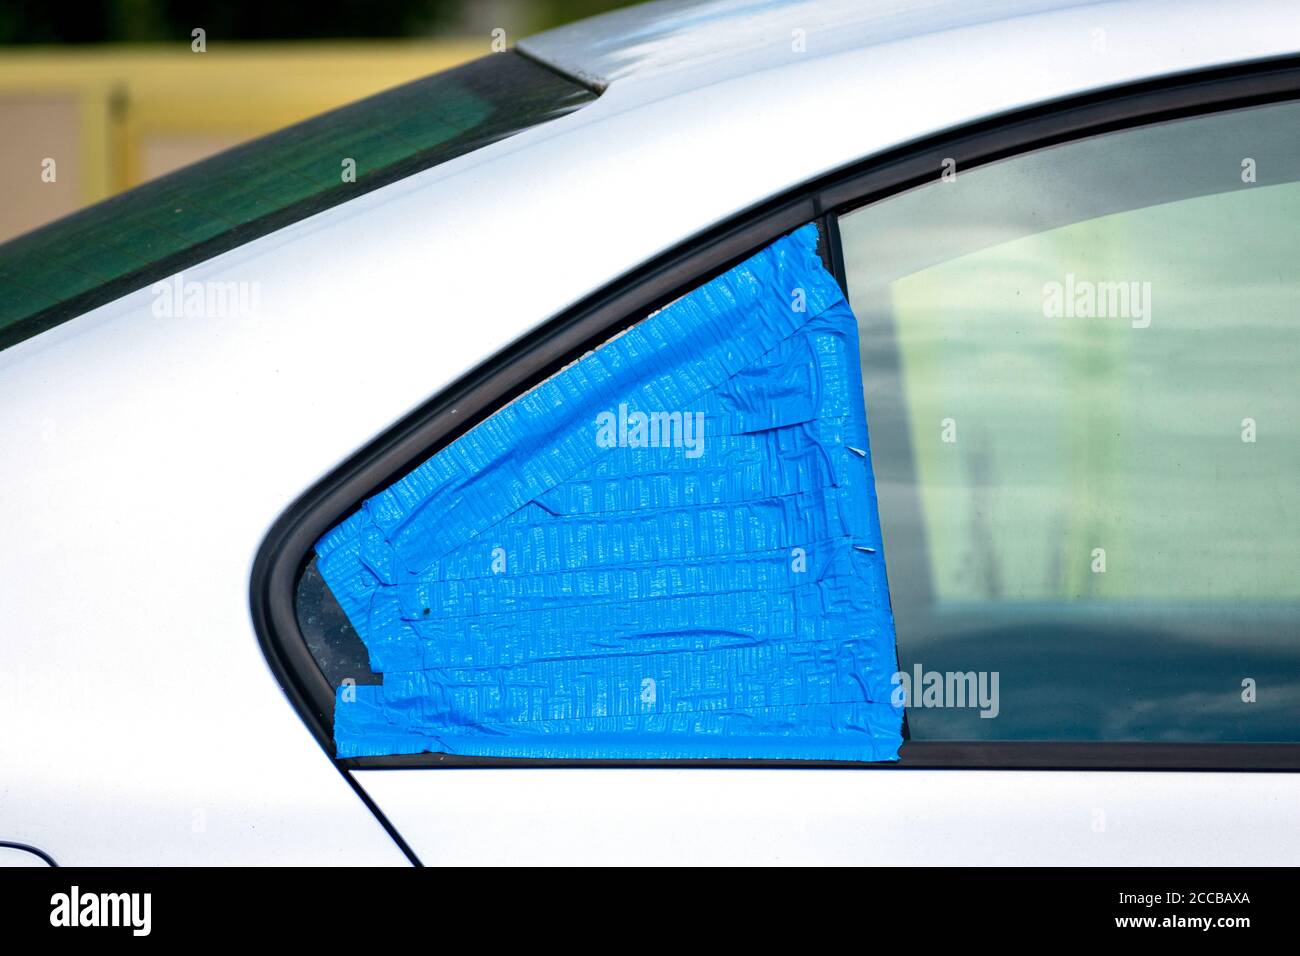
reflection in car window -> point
(1082, 376)
(124, 243)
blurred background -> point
(117, 92)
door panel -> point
(964, 817)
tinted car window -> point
(124, 243)
(1082, 376)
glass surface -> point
(103, 252)
(1082, 375)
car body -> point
(149, 459)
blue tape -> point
(670, 549)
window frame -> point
(523, 364)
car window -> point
(1082, 376)
(666, 550)
(124, 243)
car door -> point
(1078, 365)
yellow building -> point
(112, 117)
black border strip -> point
(929, 755)
(526, 362)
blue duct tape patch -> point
(670, 549)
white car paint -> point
(11, 857)
(840, 817)
(145, 459)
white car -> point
(1069, 234)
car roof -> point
(728, 37)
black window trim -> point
(523, 364)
